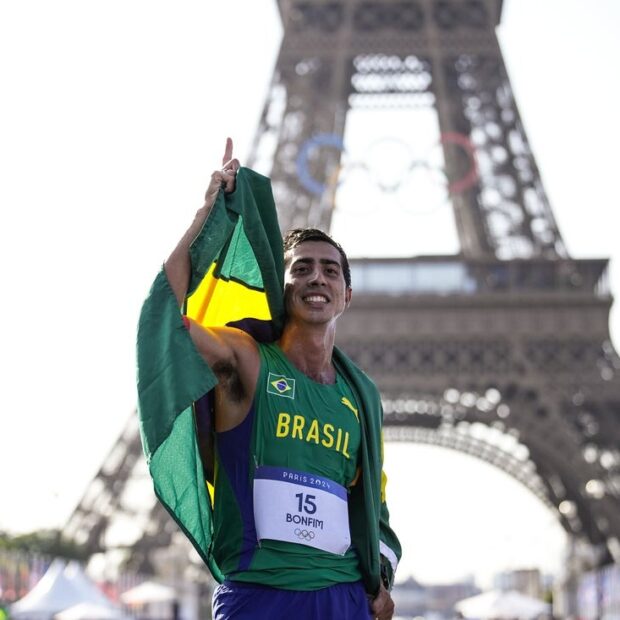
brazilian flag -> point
(236, 279)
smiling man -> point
(300, 527)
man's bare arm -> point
(233, 356)
(178, 266)
(231, 353)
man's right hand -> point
(178, 264)
(224, 178)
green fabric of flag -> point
(242, 237)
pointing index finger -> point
(228, 151)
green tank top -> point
(298, 428)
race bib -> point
(302, 508)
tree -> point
(44, 542)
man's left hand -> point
(382, 605)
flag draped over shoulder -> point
(237, 279)
(237, 276)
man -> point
(288, 445)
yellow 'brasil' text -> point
(294, 426)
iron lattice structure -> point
(502, 351)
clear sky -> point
(113, 115)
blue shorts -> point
(234, 600)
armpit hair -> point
(229, 380)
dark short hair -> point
(300, 235)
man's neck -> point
(310, 351)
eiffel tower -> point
(501, 351)
(506, 341)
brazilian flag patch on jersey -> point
(280, 385)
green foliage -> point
(44, 542)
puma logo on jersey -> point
(280, 385)
(345, 401)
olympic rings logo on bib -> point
(304, 534)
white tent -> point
(511, 605)
(92, 611)
(153, 599)
(85, 585)
(148, 592)
(61, 587)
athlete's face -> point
(314, 286)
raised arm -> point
(178, 267)
(231, 353)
